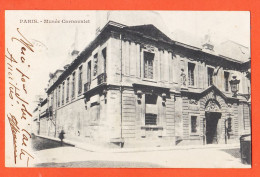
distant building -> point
(40, 117)
(134, 85)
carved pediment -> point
(212, 106)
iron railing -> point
(102, 78)
(86, 86)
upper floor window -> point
(148, 65)
(89, 72)
(80, 80)
(151, 110)
(68, 89)
(63, 87)
(95, 69)
(104, 54)
(191, 68)
(58, 96)
(226, 77)
(210, 76)
(73, 86)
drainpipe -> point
(121, 93)
(55, 134)
(39, 120)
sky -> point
(54, 40)
(224, 25)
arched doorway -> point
(212, 116)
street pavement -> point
(180, 158)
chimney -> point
(207, 44)
(102, 18)
(74, 48)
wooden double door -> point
(212, 119)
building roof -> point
(186, 38)
(131, 18)
(149, 30)
(227, 49)
(234, 50)
(146, 31)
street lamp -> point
(245, 147)
(234, 84)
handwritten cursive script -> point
(17, 68)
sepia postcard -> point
(127, 89)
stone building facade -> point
(134, 86)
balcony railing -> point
(102, 78)
(86, 86)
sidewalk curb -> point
(94, 148)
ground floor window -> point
(151, 109)
(94, 112)
(150, 119)
(194, 124)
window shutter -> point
(201, 75)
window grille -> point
(150, 119)
(151, 110)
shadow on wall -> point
(39, 143)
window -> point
(194, 126)
(151, 110)
(80, 80)
(73, 86)
(191, 67)
(58, 96)
(62, 98)
(95, 113)
(226, 76)
(210, 76)
(89, 72)
(104, 54)
(95, 69)
(150, 119)
(148, 65)
(68, 89)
